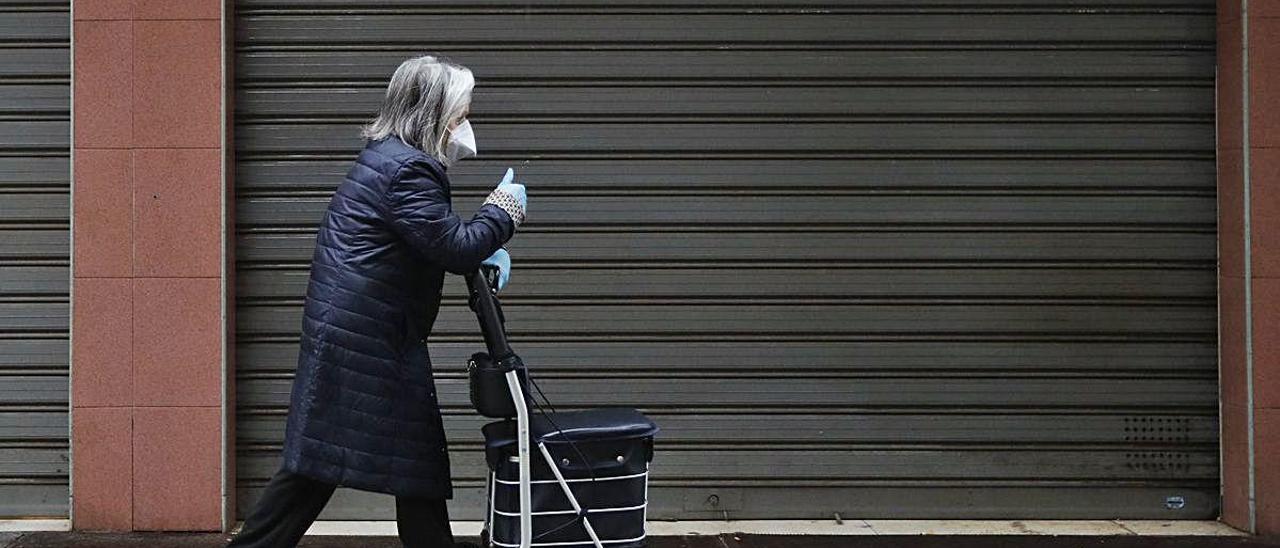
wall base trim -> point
(853, 527)
(33, 525)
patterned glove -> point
(510, 197)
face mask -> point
(462, 142)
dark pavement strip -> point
(207, 540)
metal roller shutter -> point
(35, 184)
(912, 259)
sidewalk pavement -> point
(206, 540)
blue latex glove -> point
(516, 190)
(502, 260)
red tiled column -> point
(149, 337)
(1249, 261)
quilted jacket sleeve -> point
(421, 213)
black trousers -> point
(291, 503)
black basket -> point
(606, 467)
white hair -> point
(426, 94)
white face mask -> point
(462, 142)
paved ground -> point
(143, 540)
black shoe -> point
(465, 545)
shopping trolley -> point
(556, 479)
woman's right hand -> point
(500, 260)
(511, 197)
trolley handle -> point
(482, 288)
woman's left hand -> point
(502, 261)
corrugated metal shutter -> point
(894, 259)
(35, 183)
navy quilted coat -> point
(363, 412)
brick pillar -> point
(148, 336)
(1249, 260)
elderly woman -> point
(363, 412)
